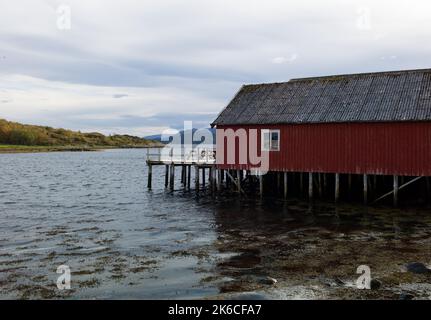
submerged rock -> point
(406, 296)
(375, 284)
(268, 280)
(249, 296)
(417, 267)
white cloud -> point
(185, 57)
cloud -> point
(119, 95)
(289, 59)
(149, 64)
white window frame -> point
(270, 132)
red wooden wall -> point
(401, 148)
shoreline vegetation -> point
(22, 138)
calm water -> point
(92, 212)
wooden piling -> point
(310, 185)
(189, 175)
(150, 176)
(219, 179)
(285, 185)
(337, 187)
(166, 176)
(349, 185)
(396, 189)
(203, 177)
(261, 184)
(365, 189)
(172, 179)
(238, 179)
(197, 178)
(319, 182)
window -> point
(270, 140)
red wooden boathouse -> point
(358, 124)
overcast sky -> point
(140, 67)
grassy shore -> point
(17, 138)
(36, 149)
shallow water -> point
(92, 212)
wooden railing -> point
(182, 155)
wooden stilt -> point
(183, 180)
(219, 179)
(325, 184)
(285, 185)
(349, 185)
(319, 181)
(166, 176)
(150, 176)
(189, 176)
(203, 177)
(428, 186)
(301, 183)
(396, 188)
(310, 185)
(261, 185)
(238, 178)
(337, 187)
(172, 179)
(210, 179)
(197, 178)
(365, 189)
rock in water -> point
(249, 296)
(417, 267)
(406, 296)
(375, 284)
(268, 281)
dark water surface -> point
(92, 212)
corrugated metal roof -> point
(367, 97)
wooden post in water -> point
(219, 179)
(172, 177)
(325, 184)
(189, 175)
(197, 177)
(337, 187)
(301, 183)
(150, 175)
(203, 177)
(349, 185)
(183, 174)
(396, 188)
(238, 179)
(310, 185)
(166, 176)
(285, 185)
(365, 189)
(319, 182)
(261, 184)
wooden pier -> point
(197, 170)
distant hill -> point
(13, 133)
(158, 137)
